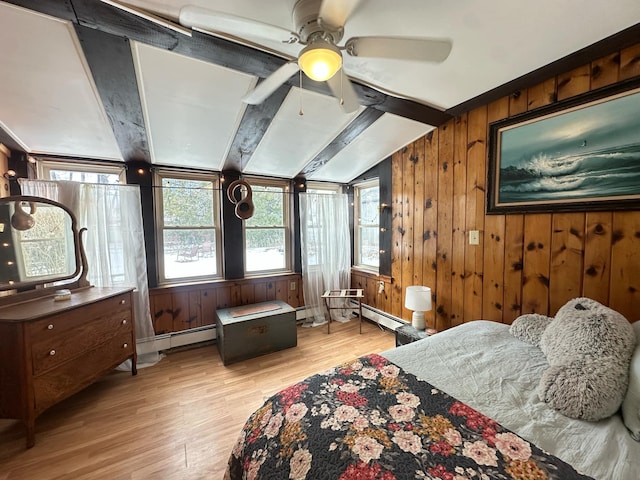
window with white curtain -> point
(367, 224)
(314, 216)
(94, 172)
(267, 234)
(188, 226)
(326, 256)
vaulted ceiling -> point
(86, 79)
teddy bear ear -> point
(529, 327)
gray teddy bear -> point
(588, 347)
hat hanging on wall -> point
(244, 206)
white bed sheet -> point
(482, 364)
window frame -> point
(323, 188)
(44, 167)
(287, 218)
(357, 225)
(158, 176)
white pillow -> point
(631, 403)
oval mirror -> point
(39, 242)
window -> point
(188, 226)
(367, 224)
(314, 225)
(77, 172)
(267, 234)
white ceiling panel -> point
(387, 135)
(48, 100)
(192, 108)
(292, 140)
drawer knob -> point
(50, 326)
(122, 302)
(52, 353)
(125, 345)
(124, 322)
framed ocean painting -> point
(576, 155)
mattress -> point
(481, 364)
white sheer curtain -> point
(326, 258)
(114, 242)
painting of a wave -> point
(585, 155)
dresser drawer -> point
(54, 385)
(65, 323)
(77, 334)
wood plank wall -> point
(189, 306)
(525, 262)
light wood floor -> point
(177, 420)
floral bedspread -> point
(369, 420)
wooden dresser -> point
(50, 350)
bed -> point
(461, 404)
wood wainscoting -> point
(178, 308)
(370, 283)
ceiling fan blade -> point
(334, 13)
(401, 48)
(343, 90)
(271, 83)
(211, 20)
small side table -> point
(346, 293)
(408, 334)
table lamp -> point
(418, 299)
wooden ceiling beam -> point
(56, 8)
(111, 64)
(254, 124)
(344, 138)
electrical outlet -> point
(474, 237)
(292, 286)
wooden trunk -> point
(254, 334)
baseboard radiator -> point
(167, 341)
(383, 319)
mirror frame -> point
(80, 256)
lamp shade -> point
(418, 298)
(320, 60)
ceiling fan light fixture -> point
(320, 60)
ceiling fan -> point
(319, 27)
